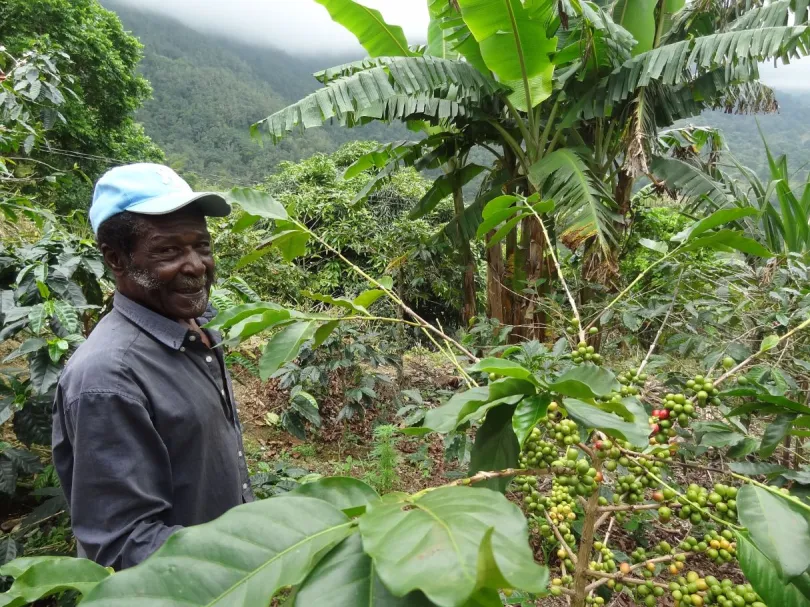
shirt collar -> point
(167, 331)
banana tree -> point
(571, 98)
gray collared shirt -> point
(146, 438)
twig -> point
(619, 577)
(585, 547)
(748, 360)
(663, 324)
(560, 274)
(633, 507)
(480, 477)
(560, 539)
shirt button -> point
(244, 485)
(222, 392)
(239, 453)
(208, 359)
(182, 348)
(192, 338)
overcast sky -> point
(301, 26)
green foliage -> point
(306, 537)
(105, 90)
(385, 458)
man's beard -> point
(149, 281)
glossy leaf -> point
(588, 416)
(444, 186)
(501, 366)
(774, 433)
(367, 298)
(727, 240)
(496, 447)
(585, 381)
(257, 203)
(284, 347)
(528, 413)
(515, 47)
(227, 318)
(439, 544)
(469, 405)
(638, 18)
(48, 576)
(759, 571)
(769, 343)
(756, 468)
(379, 38)
(348, 578)
(780, 530)
(344, 493)
(716, 219)
(238, 560)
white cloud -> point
(300, 26)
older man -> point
(146, 437)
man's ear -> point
(115, 260)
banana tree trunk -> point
(468, 308)
(495, 276)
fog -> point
(299, 26)
(304, 27)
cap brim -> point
(210, 203)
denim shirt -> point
(146, 436)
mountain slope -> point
(207, 91)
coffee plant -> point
(580, 446)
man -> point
(146, 437)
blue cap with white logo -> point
(148, 189)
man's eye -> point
(169, 250)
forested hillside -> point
(208, 91)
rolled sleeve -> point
(120, 474)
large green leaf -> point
(345, 493)
(514, 47)
(638, 18)
(230, 317)
(716, 219)
(501, 366)
(395, 88)
(346, 578)
(49, 576)
(778, 528)
(238, 560)
(372, 32)
(584, 207)
(257, 203)
(471, 404)
(528, 413)
(496, 447)
(449, 542)
(760, 572)
(727, 240)
(284, 346)
(585, 381)
(588, 416)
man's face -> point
(171, 269)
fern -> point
(237, 358)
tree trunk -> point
(623, 192)
(495, 275)
(469, 295)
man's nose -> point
(194, 264)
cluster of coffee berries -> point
(724, 501)
(560, 503)
(704, 390)
(664, 512)
(608, 564)
(630, 381)
(677, 408)
(563, 430)
(648, 593)
(718, 547)
(576, 473)
(697, 591)
(693, 504)
(558, 583)
(585, 353)
(537, 453)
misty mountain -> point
(209, 90)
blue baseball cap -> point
(148, 189)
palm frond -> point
(640, 131)
(690, 181)
(401, 88)
(583, 207)
(683, 62)
(774, 14)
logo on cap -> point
(166, 174)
